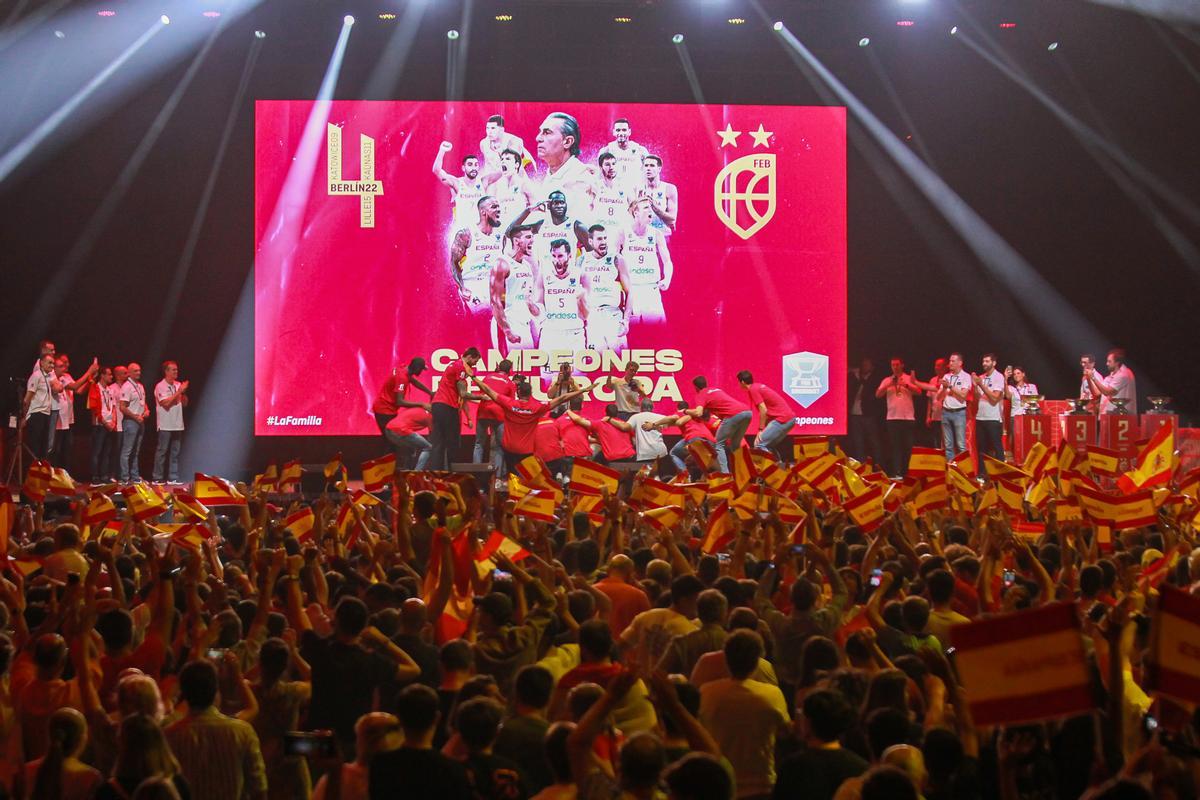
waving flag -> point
(144, 502)
(37, 481)
(965, 464)
(721, 529)
(663, 518)
(867, 508)
(1129, 511)
(536, 474)
(1103, 461)
(289, 477)
(806, 447)
(927, 462)
(378, 472)
(655, 494)
(300, 524)
(334, 467)
(538, 504)
(190, 505)
(1153, 466)
(214, 491)
(743, 469)
(932, 494)
(100, 509)
(720, 486)
(704, 453)
(587, 474)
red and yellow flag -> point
(1039, 493)
(663, 518)
(517, 488)
(100, 509)
(927, 462)
(289, 477)
(1128, 511)
(854, 484)
(721, 529)
(8, 516)
(61, 483)
(806, 447)
(538, 504)
(1102, 461)
(185, 534)
(656, 494)
(536, 474)
(989, 498)
(961, 483)
(334, 467)
(1011, 496)
(965, 464)
(821, 472)
(1173, 669)
(213, 491)
(705, 454)
(1002, 469)
(144, 502)
(590, 504)
(497, 542)
(866, 509)
(190, 505)
(587, 474)
(300, 524)
(932, 494)
(379, 472)
(1153, 466)
(743, 468)
(720, 486)
(37, 481)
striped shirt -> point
(220, 756)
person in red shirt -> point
(394, 394)
(775, 417)
(575, 441)
(690, 429)
(614, 435)
(489, 422)
(521, 415)
(547, 443)
(628, 599)
(735, 417)
(446, 409)
(404, 434)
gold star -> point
(760, 136)
(729, 136)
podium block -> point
(1151, 422)
(1027, 429)
(1078, 430)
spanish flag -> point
(144, 502)
(516, 489)
(189, 505)
(721, 529)
(1068, 509)
(932, 494)
(538, 504)
(100, 509)
(1174, 639)
(961, 483)
(749, 503)
(1035, 455)
(789, 510)
(268, 480)
(1068, 459)
(1001, 469)
(1129, 511)
(289, 478)
(378, 472)
(1153, 465)
(806, 447)
(769, 471)
(927, 462)
(497, 542)
(866, 509)
(663, 518)
(61, 483)
(26, 565)
(1103, 461)
(855, 485)
(587, 474)
(1039, 493)
(37, 481)
(300, 524)
(720, 486)
(186, 534)
(821, 472)
(743, 469)
(696, 492)
(536, 474)
(590, 504)
(214, 491)
(334, 466)
(989, 498)
(444, 491)
(703, 452)
(1011, 496)
(656, 494)
(8, 515)
(1189, 484)
(965, 464)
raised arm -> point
(440, 172)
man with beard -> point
(613, 194)
(556, 225)
(606, 284)
(510, 186)
(558, 142)
(627, 153)
(560, 295)
(474, 250)
(465, 191)
(512, 289)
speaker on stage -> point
(313, 480)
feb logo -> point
(744, 192)
(806, 377)
(366, 187)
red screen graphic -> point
(366, 255)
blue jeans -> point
(732, 433)
(403, 442)
(775, 432)
(954, 431)
(131, 446)
(489, 430)
(167, 468)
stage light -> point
(1052, 46)
(347, 20)
(211, 14)
(677, 38)
(622, 20)
(452, 35)
(778, 26)
(954, 30)
(905, 23)
(260, 34)
(164, 19)
(736, 21)
(1007, 25)
(59, 35)
(106, 13)
(387, 15)
(504, 18)
(864, 41)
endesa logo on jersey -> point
(806, 377)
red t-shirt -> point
(777, 408)
(574, 438)
(447, 391)
(385, 403)
(616, 445)
(627, 602)
(501, 385)
(601, 674)
(520, 423)
(719, 402)
(410, 420)
(547, 443)
(691, 428)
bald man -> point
(414, 624)
(628, 599)
(133, 423)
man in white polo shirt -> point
(1119, 384)
(952, 395)
(170, 396)
(989, 423)
(647, 437)
(60, 449)
(899, 388)
(39, 405)
(133, 424)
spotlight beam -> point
(60, 285)
(909, 122)
(162, 329)
(1186, 11)
(1072, 332)
(685, 59)
(24, 148)
(390, 68)
(29, 23)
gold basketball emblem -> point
(744, 194)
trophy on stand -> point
(1030, 402)
(1160, 404)
(1117, 405)
(1079, 405)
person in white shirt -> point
(1087, 363)
(648, 439)
(933, 406)
(106, 421)
(663, 196)
(133, 424)
(1020, 389)
(989, 424)
(496, 140)
(170, 396)
(39, 406)
(558, 144)
(628, 153)
(1119, 384)
(952, 395)
(60, 448)
(899, 388)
